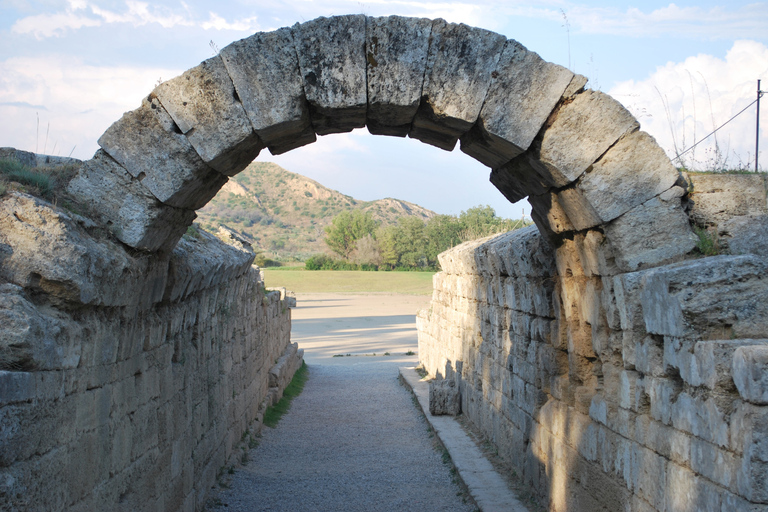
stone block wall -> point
(609, 390)
(129, 381)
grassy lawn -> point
(335, 281)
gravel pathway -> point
(352, 441)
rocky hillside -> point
(284, 213)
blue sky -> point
(68, 69)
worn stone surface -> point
(708, 298)
(549, 214)
(148, 402)
(719, 197)
(444, 397)
(146, 143)
(265, 72)
(630, 379)
(199, 262)
(517, 180)
(654, 232)
(332, 63)
(396, 53)
(24, 157)
(524, 89)
(46, 249)
(460, 64)
(630, 173)
(122, 204)
(745, 234)
(750, 372)
(579, 132)
(31, 339)
(203, 104)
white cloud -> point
(77, 101)
(682, 102)
(745, 21)
(52, 25)
(81, 13)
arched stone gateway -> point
(612, 368)
(576, 153)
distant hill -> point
(284, 213)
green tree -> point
(387, 238)
(346, 229)
(442, 232)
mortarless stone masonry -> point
(612, 370)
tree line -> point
(359, 242)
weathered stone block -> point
(655, 232)
(33, 340)
(50, 251)
(332, 64)
(649, 475)
(700, 417)
(746, 234)
(126, 207)
(707, 298)
(205, 107)
(460, 63)
(578, 134)
(524, 89)
(15, 386)
(396, 51)
(265, 72)
(146, 142)
(549, 214)
(750, 372)
(718, 197)
(633, 171)
(23, 157)
(517, 180)
(444, 397)
(577, 209)
(704, 363)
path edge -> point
(489, 490)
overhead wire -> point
(715, 130)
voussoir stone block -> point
(549, 214)
(396, 51)
(146, 142)
(517, 180)
(123, 204)
(203, 104)
(265, 72)
(652, 233)
(524, 90)
(578, 134)
(633, 171)
(750, 372)
(332, 63)
(460, 65)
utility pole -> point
(757, 124)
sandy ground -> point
(328, 324)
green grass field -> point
(342, 281)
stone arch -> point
(592, 177)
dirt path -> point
(353, 440)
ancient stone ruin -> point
(612, 368)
